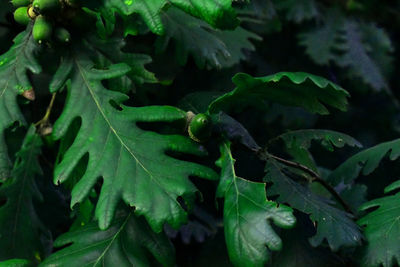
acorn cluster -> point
(50, 18)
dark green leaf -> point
(328, 139)
(366, 162)
(288, 88)
(298, 10)
(233, 130)
(321, 41)
(209, 47)
(20, 227)
(332, 224)
(125, 243)
(14, 67)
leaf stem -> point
(44, 122)
(315, 177)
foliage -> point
(202, 132)
(382, 228)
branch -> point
(315, 177)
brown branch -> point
(315, 177)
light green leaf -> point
(298, 89)
(332, 224)
(14, 67)
(126, 243)
(16, 263)
(131, 161)
(218, 13)
(247, 216)
(382, 229)
(364, 162)
(20, 227)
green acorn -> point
(46, 6)
(19, 3)
(62, 35)
(200, 127)
(21, 15)
(42, 29)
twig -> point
(44, 125)
(315, 177)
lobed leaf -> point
(298, 10)
(288, 88)
(363, 49)
(132, 163)
(329, 139)
(217, 13)
(14, 67)
(364, 162)
(382, 230)
(334, 225)
(126, 243)
(20, 227)
(248, 216)
(209, 47)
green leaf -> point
(198, 102)
(16, 263)
(357, 55)
(248, 216)
(218, 13)
(334, 225)
(298, 10)
(130, 161)
(297, 252)
(20, 227)
(149, 10)
(320, 41)
(126, 243)
(328, 139)
(210, 48)
(288, 88)
(382, 229)
(233, 130)
(14, 67)
(364, 162)
(110, 52)
(363, 49)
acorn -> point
(21, 15)
(46, 7)
(62, 35)
(200, 127)
(19, 3)
(42, 29)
